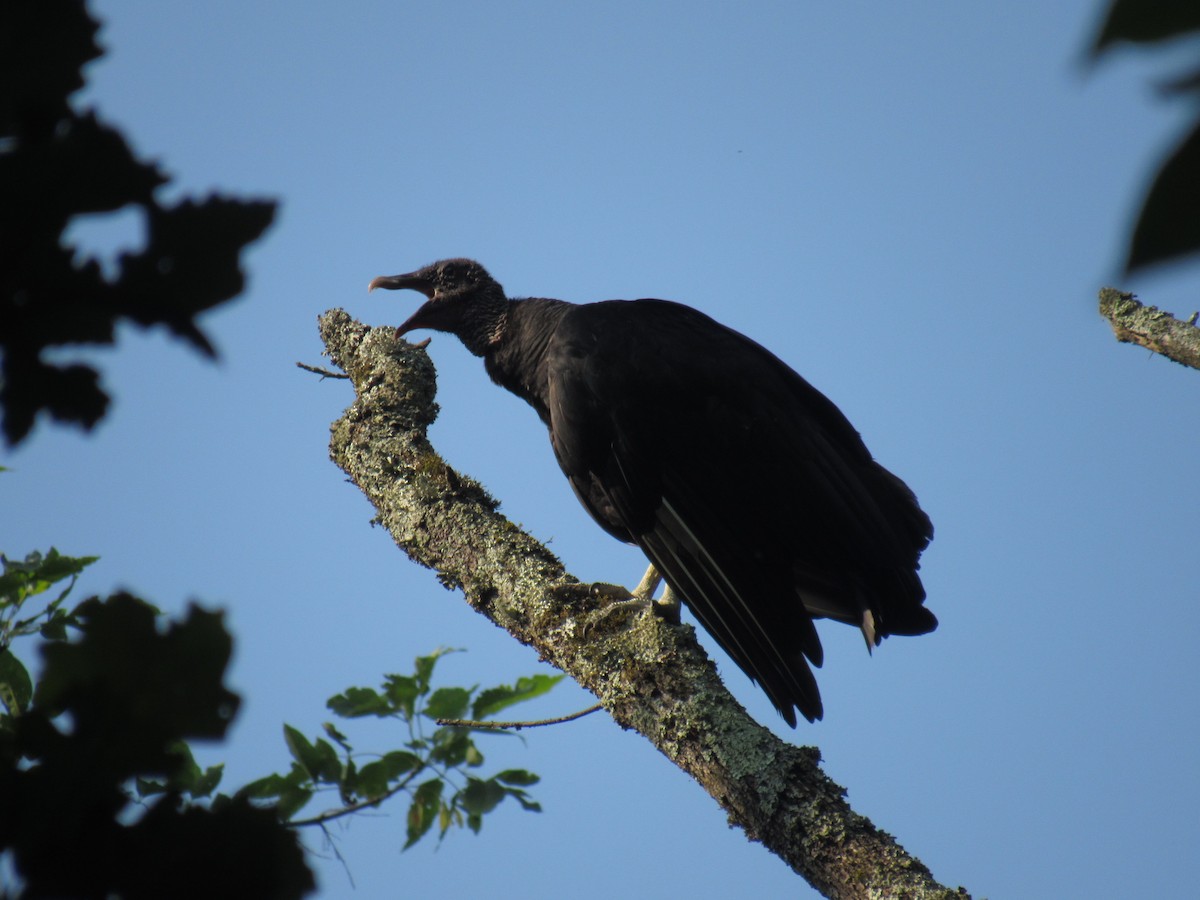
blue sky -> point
(913, 204)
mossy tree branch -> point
(650, 675)
(1135, 323)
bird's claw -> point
(619, 599)
(613, 593)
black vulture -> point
(746, 487)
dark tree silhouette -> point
(69, 823)
(1168, 226)
(133, 694)
(57, 163)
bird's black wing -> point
(745, 486)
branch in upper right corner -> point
(1152, 328)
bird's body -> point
(747, 489)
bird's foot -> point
(642, 599)
(617, 600)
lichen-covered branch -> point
(1134, 323)
(650, 675)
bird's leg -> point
(668, 605)
(648, 585)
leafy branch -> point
(136, 693)
(446, 758)
(20, 581)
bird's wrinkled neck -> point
(480, 333)
(479, 322)
(515, 359)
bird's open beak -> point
(413, 281)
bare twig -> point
(337, 854)
(1147, 326)
(517, 726)
(330, 814)
(651, 675)
(324, 373)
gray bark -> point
(1150, 327)
(651, 676)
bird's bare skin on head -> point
(763, 511)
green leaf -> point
(517, 776)
(342, 740)
(424, 810)
(329, 763)
(301, 750)
(423, 667)
(55, 567)
(289, 794)
(423, 671)
(185, 776)
(16, 687)
(402, 691)
(21, 580)
(523, 798)
(473, 757)
(184, 770)
(376, 778)
(481, 797)
(448, 703)
(492, 700)
(207, 783)
(293, 799)
(320, 761)
(55, 627)
(400, 762)
(359, 701)
(372, 781)
(148, 787)
(451, 746)
(266, 788)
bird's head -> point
(463, 299)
